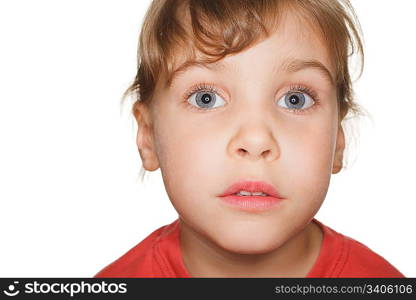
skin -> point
(247, 137)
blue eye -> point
(205, 98)
(296, 101)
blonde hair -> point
(217, 28)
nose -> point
(254, 142)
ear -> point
(145, 140)
(339, 151)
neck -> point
(295, 258)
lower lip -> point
(252, 203)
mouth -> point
(251, 188)
(252, 196)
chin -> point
(245, 242)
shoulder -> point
(361, 261)
(139, 260)
(343, 256)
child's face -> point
(248, 135)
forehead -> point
(293, 45)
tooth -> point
(244, 193)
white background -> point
(71, 200)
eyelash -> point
(207, 87)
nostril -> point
(242, 151)
(265, 153)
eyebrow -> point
(295, 65)
(189, 64)
(289, 66)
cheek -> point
(190, 158)
(309, 164)
(311, 152)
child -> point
(240, 103)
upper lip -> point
(251, 186)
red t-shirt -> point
(159, 255)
